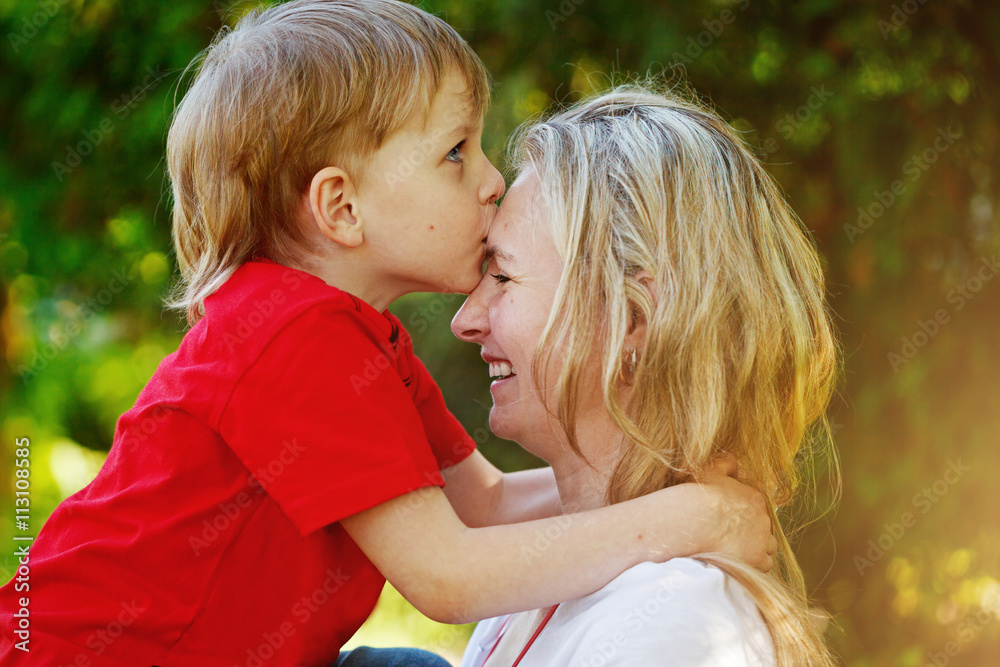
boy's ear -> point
(333, 203)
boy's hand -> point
(730, 517)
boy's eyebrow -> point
(464, 130)
(464, 127)
(495, 251)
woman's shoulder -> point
(681, 576)
(683, 608)
(679, 569)
(669, 583)
(653, 586)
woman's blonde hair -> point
(290, 90)
(739, 355)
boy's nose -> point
(471, 323)
(493, 186)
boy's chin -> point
(462, 285)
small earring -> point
(631, 369)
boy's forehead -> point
(451, 115)
(453, 107)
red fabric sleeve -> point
(326, 423)
(448, 438)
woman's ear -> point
(333, 204)
(636, 336)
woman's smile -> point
(502, 369)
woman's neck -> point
(581, 486)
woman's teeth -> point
(501, 369)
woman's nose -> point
(471, 323)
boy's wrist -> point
(688, 520)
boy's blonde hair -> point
(739, 356)
(290, 90)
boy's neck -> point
(343, 274)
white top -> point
(679, 613)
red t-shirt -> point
(211, 537)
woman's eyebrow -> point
(494, 251)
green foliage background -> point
(841, 99)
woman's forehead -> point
(508, 232)
(519, 237)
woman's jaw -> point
(582, 484)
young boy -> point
(325, 161)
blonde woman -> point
(651, 305)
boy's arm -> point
(483, 496)
(456, 574)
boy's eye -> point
(500, 278)
(455, 154)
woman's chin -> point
(500, 423)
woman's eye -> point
(500, 278)
(455, 154)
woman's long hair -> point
(739, 355)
